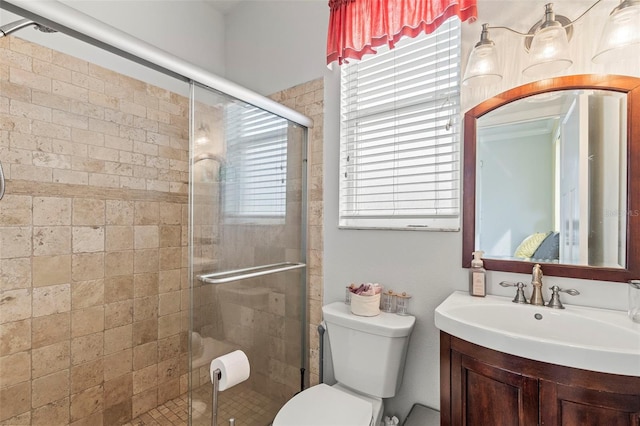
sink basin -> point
(588, 338)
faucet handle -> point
(555, 296)
(520, 297)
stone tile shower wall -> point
(93, 236)
(308, 99)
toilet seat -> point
(323, 405)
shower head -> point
(44, 29)
(7, 29)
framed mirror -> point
(552, 176)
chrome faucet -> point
(536, 282)
(555, 296)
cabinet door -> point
(483, 394)
(573, 405)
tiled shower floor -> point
(172, 413)
(249, 408)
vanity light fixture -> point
(621, 33)
(547, 43)
(483, 67)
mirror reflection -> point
(559, 158)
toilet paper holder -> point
(217, 374)
(227, 371)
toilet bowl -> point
(368, 355)
(324, 405)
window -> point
(399, 135)
(255, 174)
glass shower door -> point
(247, 254)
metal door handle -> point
(246, 273)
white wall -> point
(427, 265)
(188, 29)
(273, 45)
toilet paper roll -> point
(234, 369)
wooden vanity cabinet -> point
(480, 386)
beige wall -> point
(93, 283)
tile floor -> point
(171, 413)
(247, 407)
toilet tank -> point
(368, 353)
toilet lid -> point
(322, 405)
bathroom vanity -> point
(486, 387)
(503, 363)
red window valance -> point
(356, 27)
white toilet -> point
(368, 356)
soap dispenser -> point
(477, 281)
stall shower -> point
(145, 229)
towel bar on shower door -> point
(246, 273)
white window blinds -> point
(255, 178)
(399, 135)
